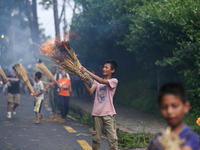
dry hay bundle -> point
(63, 55)
(3, 75)
(21, 73)
(47, 83)
(170, 140)
(40, 66)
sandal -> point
(37, 122)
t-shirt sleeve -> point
(192, 141)
(41, 86)
(113, 83)
(95, 84)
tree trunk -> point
(56, 20)
(28, 11)
(35, 23)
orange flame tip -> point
(198, 121)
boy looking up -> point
(103, 109)
(39, 93)
(173, 105)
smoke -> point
(19, 44)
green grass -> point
(127, 140)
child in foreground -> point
(103, 109)
(39, 93)
(173, 105)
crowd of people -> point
(172, 104)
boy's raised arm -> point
(13, 79)
(95, 77)
(91, 90)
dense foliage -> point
(170, 28)
(153, 41)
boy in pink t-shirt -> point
(103, 109)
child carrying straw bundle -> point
(40, 66)
(173, 105)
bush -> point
(138, 96)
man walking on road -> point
(13, 93)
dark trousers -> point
(64, 105)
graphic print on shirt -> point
(61, 84)
(102, 94)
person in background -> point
(64, 94)
(53, 91)
(58, 76)
(78, 86)
(173, 105)
(13, 92)
(39, 94)
(72, 85)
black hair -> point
(112, 63)
(38, 75)
(172, 88)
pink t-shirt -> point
(103, 102)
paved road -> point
(20, 132)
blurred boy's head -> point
(12, 72)
(173, 104)
(60, 69)
(63, 73)
(53, 70)
(38, 75)
(109, 67)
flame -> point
(47, 2)
(1, 82)
(31, 94)
(49, 46)
(46, 47)
(198, 121)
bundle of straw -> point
(3, 76)
(47, 83)
(63, 55)
(170, 140)
(21, 73)
(40, 66)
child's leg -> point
(67, 106)
(96, 135)
(10, 101)
(38, 116)
(109, 124)
(62, 106)
(37, 109)
(16, 100)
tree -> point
(168, 31)
(18, 28)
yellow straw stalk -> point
(169, 140)
(62, 55)
(3, 75)
(21, 73)
(40, 66)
